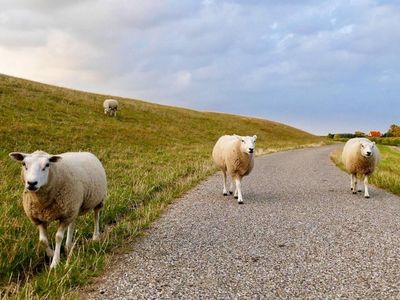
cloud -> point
(294, 61)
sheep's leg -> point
(59, 238)
(354, 184)
(235, 195)
(239, 189)
(351, 182)
(231, 188)
(366, 193)
(43, 240)
(224, 192)
(96, 232)
(70, 235)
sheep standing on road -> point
(234, 155)
(61, 187)
(110, 107)
(360, 156)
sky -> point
(322, 66)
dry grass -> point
(152, 154)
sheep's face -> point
(35, 168)
(248, 144)
(367, 148)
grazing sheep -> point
(360, 156)
(110, 107)
(234, 155)
(61, 187)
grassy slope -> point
(387, 175)
(151, 153)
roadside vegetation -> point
(390, 137)
(387, 174)
(152, 154)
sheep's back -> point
(87, 173)
(110, 103)
(220, 150)
(350, 155)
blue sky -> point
(323, 66)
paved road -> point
(301, 234)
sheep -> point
(360, 156)
(61, 187)
(110, 107)
(234, 155)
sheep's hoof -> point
(367, 196)
(49, 253)
(225, 194)
(230, 193)
(47, 259)
(236, 197)
(240, 202)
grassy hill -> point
(151, 153)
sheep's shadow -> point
(260, 198)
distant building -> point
(374, 134)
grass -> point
(152, 154)
(387, 174)
(392, 141)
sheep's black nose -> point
(32, 183)
(251, 150)
(368, 153)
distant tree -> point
(359, 134)
(394, 130)
(330, 135)
(343, 136)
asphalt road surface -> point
(300, 234)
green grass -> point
(152, 154)
(392, 141)
(387, 174)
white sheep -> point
(61, 187)
(360, 156)
(234, 155)
(110, 107)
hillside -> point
(152, 154)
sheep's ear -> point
(18, 156)
(254, 137)
(237, 136)
(54, 158)
(373, 143)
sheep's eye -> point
(47, 165)
(23, 163)
(242, 141)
